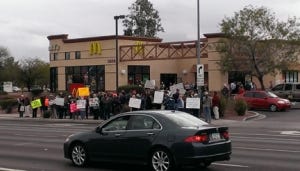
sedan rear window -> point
(186, 120)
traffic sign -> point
(200, 75)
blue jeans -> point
(207, 114)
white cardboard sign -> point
(135, 103)
(193, 103)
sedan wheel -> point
(161, 160)
(79, 155)
(273, 108)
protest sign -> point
(193, 103)
(83, 91)
(36, 103)
(73, 107)
(135, 103)
(158, 97)
(81, 104)
(150, 84)
(59, 101)
(93, 102)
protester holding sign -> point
(94, 106)
(35, 104)
(73, 109)
(81, 106)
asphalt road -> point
(272, 143)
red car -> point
(260, 99)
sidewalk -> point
(15, 116)
(227, 119)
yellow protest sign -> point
(36, 103)
(83, 91)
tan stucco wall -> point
(216, 78)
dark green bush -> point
(223, 105)
(128, 88)
(240, 107)
(8, 104)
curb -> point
(15, 117)
(256, 115)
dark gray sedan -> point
(162, 139)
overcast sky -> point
(25, 24)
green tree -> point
(11, 70)
(34, 71)
(143, 20)
(4, 54)
(258, 43)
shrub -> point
(8, 104)
(240, 107)
(128, 88)
(223, 105)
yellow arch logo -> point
(95, 48)
(139, 47)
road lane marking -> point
(264, 149)
(230, 165)
(258, 138)
(8, 169)
(290, 132)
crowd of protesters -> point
(103, 105)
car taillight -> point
(225, 135)
(197, 138)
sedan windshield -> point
(186, 120)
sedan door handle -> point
(117, 135)
(150, 133)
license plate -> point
(215, 137)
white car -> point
(16, 89)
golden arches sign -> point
(95, 48)
(139, 47)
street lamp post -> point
(117, 49)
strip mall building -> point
(92, 62)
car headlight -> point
(281, 102)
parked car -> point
(163, 139)
(16, 89)
(258, 99)
(288, 90)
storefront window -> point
(53, 79)
(91, 76)
(138, 74)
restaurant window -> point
(138, 74)
(67, 55)
(53, 79)
(91, 76)
(290, 76)
(77, 55)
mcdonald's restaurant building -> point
(92, 62)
